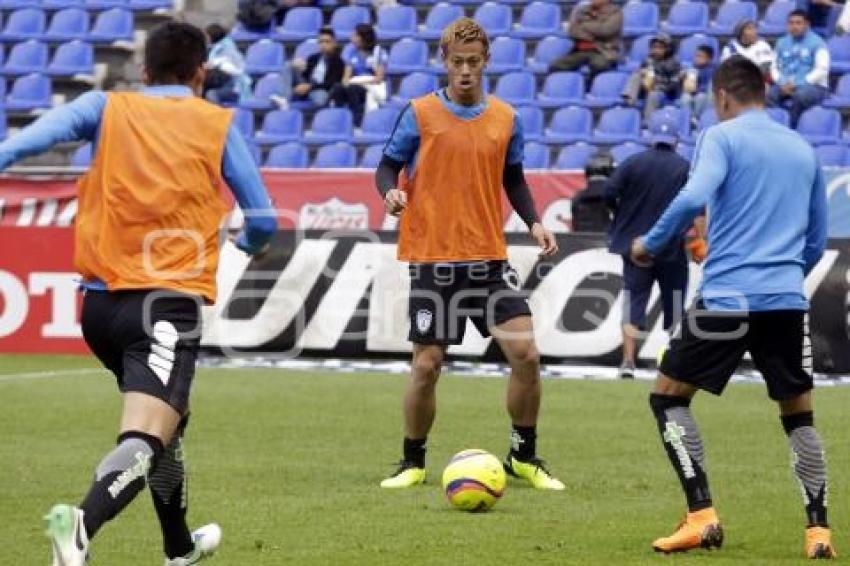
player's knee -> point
(426, 367)
(526, 355)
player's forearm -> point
(386, 175)
(519, 194)
(678, 216)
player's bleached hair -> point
(463, 30)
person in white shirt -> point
(747, 43)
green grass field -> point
(288, 463)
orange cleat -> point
(700, 529)
(819, 543)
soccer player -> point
(766, 201)
(459, 148)
(147, 246)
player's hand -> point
(395, 201)
(698, 249)
(302, 89)
(545, 239)
(640, 256)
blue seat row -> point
(71, 58)
(71, 23)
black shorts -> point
(710, 345)
(148, 339)
(443, 296)
(672, 277)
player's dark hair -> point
(215, 32)
(174, 51)
(708, 50)
(741, 79)
(327, 30)
(367, 36)
(798, 12)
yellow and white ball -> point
(474, 480)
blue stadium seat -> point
(305, 49)
(839, 54)
(730, 13)
(280, 126)
(264, 56)
(538, 20)
(395, 22)
(4, 125)
(562, 89)
(820, 125)
(685, 150)
(148, 5)
(62, 4)
(67, 25)
(496, 19)
(686, 18)
(707, 119)
(82, 156)
(575, 156)
(290, 155)
(780, 115)
(517, 88)
(346, 18)
(683, 117)
(840, 98)
(112, 25)
(105, 4)
(408, 56)
(568, 125)
(831, 155)
(618, 125)
(256, 153)
(532, 122)
(438, 18)
(536, 156)
(24, 24)
(300, 23)
(242, 34)
(18, 4)
(377, 125)
(506, 54)
(330, 125)
(776, 17)
(689, 45)
(372, 156)
(25, 58)
(640, 18)
(414, 85)
(72, 58)
(271, 84)
(30, 92)
(244, 122)
(625, 150)
(339, 155)
(638, 53)
(607, 89)
(547, 50)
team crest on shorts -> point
(424, 318)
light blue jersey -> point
(767, 217)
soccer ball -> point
(474, 480)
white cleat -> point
(67, 533)
(206, 539)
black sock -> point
(414, 451)
(681, 439)
(809, 464)
(119, 478)
(169, 490)
(523, 442)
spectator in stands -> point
(822, 14)
(597, 29)
(747, 43)
(257, 15)
(800, 71)
(226, 80)
(363, 84)
(323, 71)
(659, 80)
(697, 84)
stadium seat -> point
(820, 125)
(4, 126)
(618, 125)
(291, 155)
(625, 150)
(105, 4)
(339, 155)
(689, 45)
(839, 54)
(607, 89)
(150, 5)
(112, 25)
(780, 115)
(25, 58)
(569, 125)
(377, 125)
(730, 13)
(300, 23)
(72, 58)
(330, 125)
(516, 88)
(532, 122)
(82, 156)
(24, 24)
(776, 17)
(439, 16)
(683, 117)
(686, 150)
(256, 153)
(264, 56)
(242, 34)
(640, 18)
(547, 50)
(18, 4)
(62, 4)
(30, 92)
(408, 56)
(496, 19)
(561, 89)
(840, 97)
(67, 25)
(831, 155)
(244, 122)
(536, 156)
(305, 49)
(538, 20)
(707, 119)
(414, 85)
(395, 22)
(575, 156)
(346, 18)
(372, 156)
(686, 18)
(506, 54)
(280, 126)
(264, 88)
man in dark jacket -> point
(322, 71)
(659, 79)
(597, 30)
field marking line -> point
(4, 377)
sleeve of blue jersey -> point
(816, 234)
(516, 146)
(404, 141)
